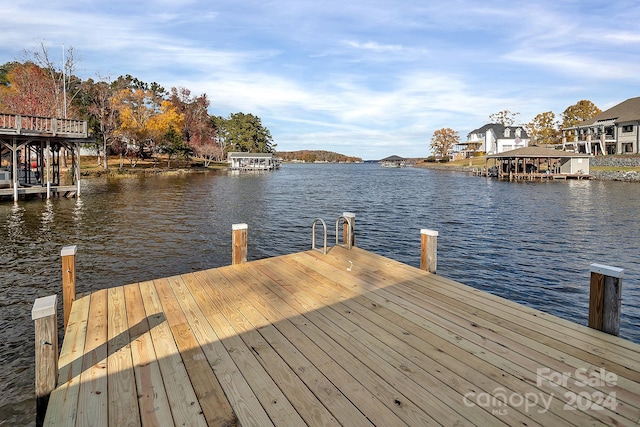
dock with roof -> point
(538, 163)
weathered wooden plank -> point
(306, 403)
(280, 313)
(349, 337)
(383, 409)
(596, 301)
(93, 399)
(280, 410)
(44, 314)
(503, 344)
(386, 361)
(185, 408)
(215, 406)
(243, 290)
(123, 400)
(547, 353)
(581, 337)
(406, 360)
(478, 369)
(245, 404)
(152, 397)
(63, 403)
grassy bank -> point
(90, 167)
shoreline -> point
(596, 175)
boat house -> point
(394, 162)
(253, 161)
(538, 163)
(31, 152)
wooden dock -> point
(31, 152)
(347, 338)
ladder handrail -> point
(346, 243)
(313, 235)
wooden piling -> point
(348, 230)
(605, 298)
(239, 244)
(68, 254)
(429, 250)
(45, 316)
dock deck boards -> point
(347, 338)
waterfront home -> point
(253, 161)
(614, 131)
(493, 138)
(538, 163)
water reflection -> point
(15, 223)
(77, 211)
(48, 216)
(529, 242)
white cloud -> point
(368, 78)
(373, 46)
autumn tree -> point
(443, 140)
(199, 131)
(504, 117)
(27, 91)
(144, 117)
(543, 129)
(95, 99)
(575, 114)
(62, 83)
(165, 130)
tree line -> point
(543, 129)
(128, 118)
(311, 156)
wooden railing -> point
(16, 124)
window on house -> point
(627, 128)
(518, 132)
(507, 132)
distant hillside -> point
(311, 156)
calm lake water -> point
(528, 242)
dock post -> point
(239, 244)
(349, 229)
(429, 250)
(68, 254)
(605, 298)
(45, 316)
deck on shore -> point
(347, 338)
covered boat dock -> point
(253, 161)
(31, 152)
(538, 163)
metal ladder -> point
(346, 243)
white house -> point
(494, 138)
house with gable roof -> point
(614, 131)
(494, 138)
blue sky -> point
(364, 78)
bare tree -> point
(60, 77)
(504, 117)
